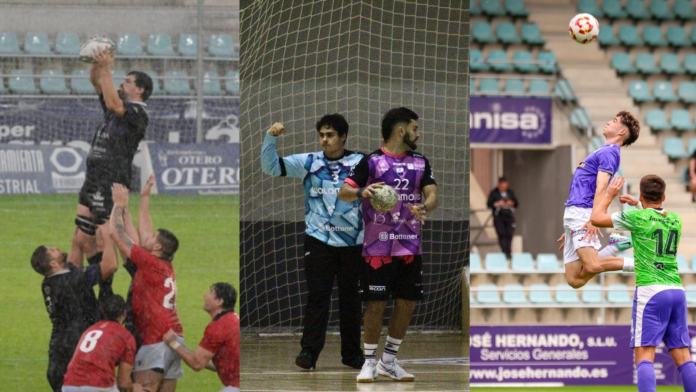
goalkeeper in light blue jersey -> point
(659, 304)
(334, 236)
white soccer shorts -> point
(573, 219)
(160, 356)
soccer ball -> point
(385, 199)
(584, 28)
(87, 50)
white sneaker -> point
(368, 373)
(393, 371)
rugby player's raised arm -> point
(113, 102)
(144, 220)
(600, 215)
(109, 262)
(118, 226)
(94, 77)
(273, 165)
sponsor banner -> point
(500, 120)
(201, 169)
(41, 169)
(572, 355)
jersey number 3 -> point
(670, 248)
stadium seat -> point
(476, 61)
(129, 45)
(36, 43)
(566, 89)
(548, 62)
(580, 120)
(638, 90)
(663, 92)
(80, 84)
(690, 64)
(590, 7)
(693, 258)
(596, 143)
(669, 62)
(155, 82)
(612, 9)
(660, 10)
(531, 34)
(474, 9)
(547, 262)
(53, 82)
(618, 294)
(492, 7)
(690, 149)
(524, 62)
(676, 36)
(475, 262)
(21, 82)
(9, 43)
(687, 92)
(540, 294)
(693, 35)
(690, 290)
(685, 176)
(514, 87)
(507, 34)
(652, 35)
(211, 85)
(472, 88)
(522, 261)
(220, 45)
(645, 62)
(566, 294)
(682, 265)
(539, 87)
(629, 36)
(592, 294)
(160, 45)
(232, 83)
(516, 8)
(636, 10)
(488, 297)
(681, 121)
(674, 148)
(67, 44)
(499, 61)
(621, 62)
(489, 86)
(481, 32)
(657, 120)
(514, 294)
(684, 10)
(606, 36)
(188, 45)
(178, 85)
(496, 262)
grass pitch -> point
(208, 231)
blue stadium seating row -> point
(53, 82)
(645, 64)
(494, 8)
(219, 45)
(513, 87)
(679, 120)
(652, 36)
(522, 61)
(662, 92)
(635, 9)
(514, 294)
(507, 34)
(674, 148)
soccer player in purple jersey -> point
(392, 241)
(581, 255)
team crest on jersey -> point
(582, 164)
(400, 171)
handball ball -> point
(584, 28)
(88, 49)
(385, 199)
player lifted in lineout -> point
(581, 255)
(659, 303)
(392, 247)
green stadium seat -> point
(516, 8)
(690, 64)
(155, 82)
(674, 148)
(9, 43)
(531, 34)
(629, 36)
(507, 34)
(499, 61)
(693, 258)
(612, 9)
(489, 86)
(693, 35)
(524, 62)
(522, 261)
(188, 45)
(474, 9)
(514, 294)
(687, 92)
(621, 62)
(690, 290)
(664, 92)
(232, 83)
(492, 7)
(36, 43)
(684, 10)
(657, 120)
(590, 7)
(53, 82)
(592, 294)
(129, 45)
(80, 84)
(475, 262)
(547, 62)
(566, 294)
(211, 85)
(682, 265)
(178, 85)
(681, 121)
(645, 62)
(160, 45)
(638, 90)
(67, 44)
(514, 87)
(690, 149)
(596, 143)
(579, 120)
(567, 90)
(220, 45)
(540, 294)
(660, 10)
(606, 36)
(636, 10)
(21, 82)
(481, 32)
(472, 89)
(496, 262)
(652, 35)
(539, 87)
(488, 297)
(476, 61)
(685, 176)
(676, 36)
(620, 296)
(669, 62)
(547, 262)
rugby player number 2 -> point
(168, 303)
(399, 184)
(90, 341)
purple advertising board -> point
(568, 355)
(501, 120)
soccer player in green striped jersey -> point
(659, 303)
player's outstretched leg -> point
(580, 271)
(646, 377)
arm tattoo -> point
(121, 227)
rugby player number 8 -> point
(90, 341)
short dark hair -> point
(112, 307)
(652, 188)
(144, 81)
(40, 260)
(335, 121)
(395, 117)
(226, 293)
(169, 242)
(632, 124)
(502, 179)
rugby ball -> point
(88, 49)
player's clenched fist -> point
(120, 195)
(148, 186)
(276, 129)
